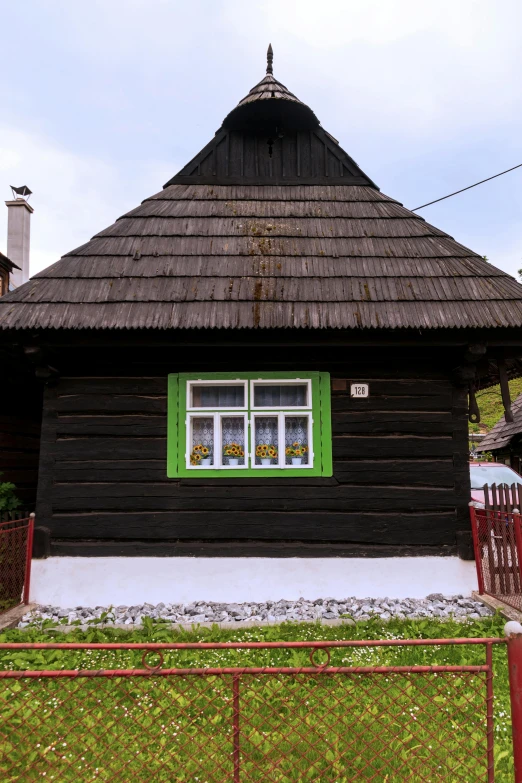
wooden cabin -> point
(504, 440)
(257, 383)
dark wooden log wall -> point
(400, 483)
(20, 416)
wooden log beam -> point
(504, 388)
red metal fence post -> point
(476, 547)
(235, 722)
(514, 654)
(490, 728)
(28, 559)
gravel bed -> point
(436, 605)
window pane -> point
(266, 450)
(218, 396)
(202, 453)
(233, 440)
(281, 396)
(297, 451)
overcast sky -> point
(102, 101)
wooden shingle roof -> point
(6, 263)
(503, 431)
(270, 228)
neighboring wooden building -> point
(20, 414)
(6, 267)
(269, 295)
(504, 440)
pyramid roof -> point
(271, 225)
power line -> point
(468, 188)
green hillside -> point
(490, 404)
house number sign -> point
(359, 390)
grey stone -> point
(198, 618)
(459, 607)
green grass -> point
(490, 404)
(321, 728)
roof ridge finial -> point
(269, 59)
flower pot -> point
(233, 461)
(206, 461)
(296, 460)
(266, 461)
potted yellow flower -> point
(234, 452)
(296, 452)
(266, 453)
(200, 456)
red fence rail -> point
(306, 711)
(16, 546)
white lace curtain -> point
(218, 396)
(265, 396)
(284, 396)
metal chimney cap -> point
(22, 191)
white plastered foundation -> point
(93, 581)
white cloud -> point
(74, 196)
(113, 31)
(9, 159)
(402, 65)
(336, 23)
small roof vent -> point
(21, 192)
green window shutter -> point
(326, 424)
(172, 426)
(177, 427)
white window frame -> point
(309, 436)
(228, 414)
(217, 463)
(258, 415)
(281, 415)
(228, 382)
(249, 413)
(188, 447)
(281, 382)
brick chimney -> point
(18, 233)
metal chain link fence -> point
(16, 543)
(69, 720)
